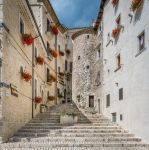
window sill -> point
(140, 52)
(117, 69)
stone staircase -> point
(92, 132)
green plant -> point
(73, 114)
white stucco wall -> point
(133, 76)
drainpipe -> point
(33, 77)
(56, 68)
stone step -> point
(72, 131)
(72, 127)
(49, 145)
(75, 139)
(30, 134)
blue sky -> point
(76, 13)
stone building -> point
(31, 54)
(87, 70)
(125, 64)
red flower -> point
(51, 98)
(26, 76)
(38, 99)
(27, 39)
(40, 60)
(116, 32)
(114, 2)
(54, 53)
(136, 4)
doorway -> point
(91, 101)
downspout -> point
(33, 77)
(56, 68)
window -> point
(59, 69)
(48, 74)
(88, 36)
(70, 66)
(79, 57)
(59, 48)
(119, 61)
(121, 117)
(108, 100)
(141, 40)
(66, 65)
(113, 117)
(91, 101)
(118, 20)
(58, 91)
(21, 26)
(87, 67)
(48, 25)
(48, 93)
(36, 52)
(48, 49)
(121, 94)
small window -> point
(48, 49)
(113, 117)
(121, 94)
(141, 40)
(48, 25)
(48, 93)
(59, 48)
(58, 91)
(36, 52)
(121, 117)
(71, 66)
(119, 61)
(118, 20)
(87, 67)
(66, 65)
(88, 36)
(48, 74)
(59, 69)
(21, 26)
(79, 57)
(108, 100)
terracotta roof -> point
(100, 14)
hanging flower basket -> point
(51, 98)
(40, 60)
(54, 53)
(114, 2)
(38, 100)
(54, 29)
(26, 76)
(116, 32)
(135, 4)
(61, 53)
(27, 39)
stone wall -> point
(85, 71)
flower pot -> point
(54, 53)
(27, 39)
(43, 108)
(26, 76)
(135, 4)
(40, 60)
(116, 32)
(114, 2)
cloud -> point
(76, 13)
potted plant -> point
(26, 76)
(43, 108)
(51, 98)
(38, 99)
(135, 4)
(54, 29)
(67, 51)
(27, 39)
(54, 53)
(69, 118)
(114, 2)
(115, 32)
(40, 60)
